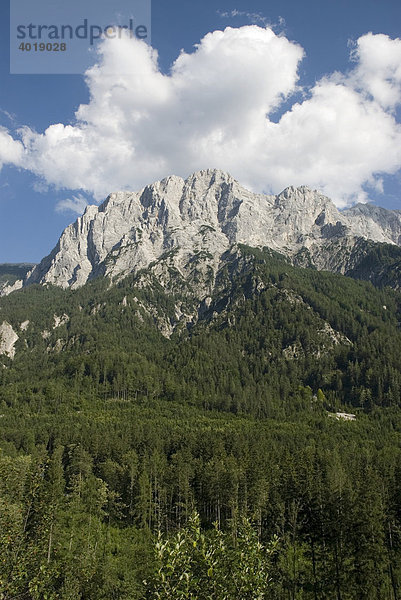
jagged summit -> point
(374, 221)
(203, 216)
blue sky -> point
(31, 198)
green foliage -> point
(378, 263)
(112, 433)
(212, 565)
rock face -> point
(375, 223)
(8, 338)
(198, 219)
(6, 288)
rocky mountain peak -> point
(203, 216)
(375, 222)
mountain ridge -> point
(204, 216)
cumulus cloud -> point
(378, 70)
(76, 204)
(11, 151)
(212, 110)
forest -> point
(210, 463)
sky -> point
(277, 93)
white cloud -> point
(378, 70)
(253, 17)
(212, 110)
(336, 141)
(76, 204)
(11, 151)
(8, 115)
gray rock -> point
(8, 339)
(189, 224)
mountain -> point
(10, 273)
(268, 324)
(111, 431)
(212, 375)
(372, 222)
(182, 224)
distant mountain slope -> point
(10, 273)
(375, 221)
(264, 329)
(13, 271)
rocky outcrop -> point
(375, 223)
(60, 320)
(7, 288)
(8, 339)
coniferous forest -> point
(209, 463)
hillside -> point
(126, 407)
